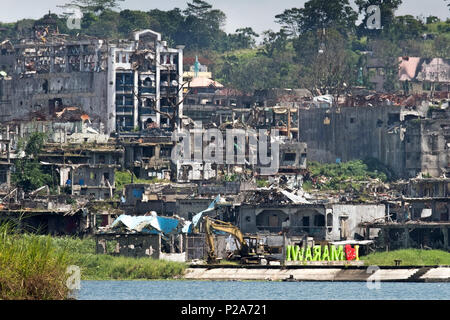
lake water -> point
(259, 290)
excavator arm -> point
(225, 227)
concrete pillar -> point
(386, 238)
(157, 151)
(81, 57)
(406, 238)
(111, 91)
(158, 82)
(180, 83)
(136, 100)
(445, 233)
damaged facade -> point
(124, 85)
(115, 106)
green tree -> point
(28, 174)
(202, 26)
(133, 20)
(169, 24)
(96, 6)
(273, 42)
(290, 21)
(244, 38)
(405, 27)
(441, 46)
(388, 52)
(319, 14)
(106, 26)
(328, 64)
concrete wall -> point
(354, 214)
(391, 134)
(318, 221)
(255, 218)
(86, 90)
(137, 245)
(349, 133)
(190, 207)
(93, 176)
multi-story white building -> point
(147, 82)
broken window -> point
(45, 86)
(289, 156)
(393, 118)
(329, 222)
(148, 152)
(305, 221)
(319, 220)
(124, 82)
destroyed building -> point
(148, 154)
(127, 84)
(276, 211)
(86, 170)
(416, 75)
(405, 133)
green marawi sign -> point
(322, 253)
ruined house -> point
(124, 84)
(148, 154)
(416, 75)
(85, 169)
(276, 212)
(420, 75)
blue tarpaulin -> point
(154, 224)
(195, 219)
(147, 224)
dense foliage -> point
(28, 173)
(31, 267)
(81, 252)
(320, 46)
(342, 176)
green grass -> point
(106, 267)
(81, 252)
(31, 267)
(409, 257)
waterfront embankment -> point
(323, 273)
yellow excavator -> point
(250, 250)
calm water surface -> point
(259, 290)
